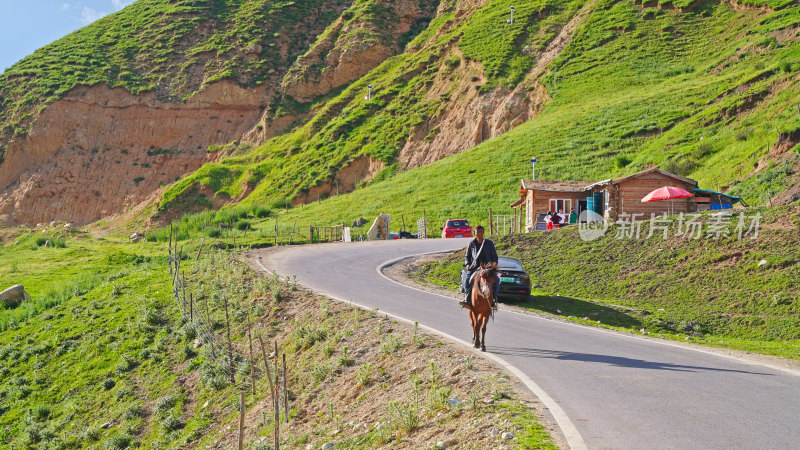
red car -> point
(456, 228)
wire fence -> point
(225, 353)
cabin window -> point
(565, 205)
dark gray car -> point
(514, 281)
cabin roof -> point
(555, 186)
(671, 175)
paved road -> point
(606, 390)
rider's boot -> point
(467, 303)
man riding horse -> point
(480, 251)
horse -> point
(482, 292)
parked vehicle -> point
(514, 281)
(456, 228)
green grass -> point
(102, 340)
(718, 292)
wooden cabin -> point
(611, 198)
(538, 197)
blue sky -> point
(26, 25)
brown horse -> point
(482, 301)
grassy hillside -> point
(708, 93)
(346, 126)
(170, 47)
(725, 292)
(102, 356)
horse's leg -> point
(483, 332)
(474, 325)
(476, 332)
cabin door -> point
(598, 203)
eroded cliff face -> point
(99, 151)
(471, 118)
(348, 50)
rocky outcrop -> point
(13, 296)
(348, 50)
(99, 150)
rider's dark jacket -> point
(473, 260)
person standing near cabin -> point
(480, 251)
(556, 218)
(548, 220)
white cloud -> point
(65, 6)
(89, 15)
(119, 4)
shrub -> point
(150, 315)
(119, 441)
(188, 332)
(621, 161)
(417, 339)
(434, 372)
(744, 134)
(262, 212)
(214, 232)
(172, 422)
(188, 352)
(212, 376)
(109, 383)
(277, 293)
(704, 148)
(40, 413)
(164, 404)
(116, 290)
(453, 61)
(365, 373)
(146, 353)
(134, 411)
(406, 416)
(319, 372)
(92, 434)
(124, 392)
(344, 359)
(679, 167)
(33, 434)
(242, 225)
(281, 203)
(307, 335)
(437, 397)
(328, 349)
(390, 344)
(126, 364)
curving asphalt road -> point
(606, 390)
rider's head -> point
(479, 232)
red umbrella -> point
(666, 193)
